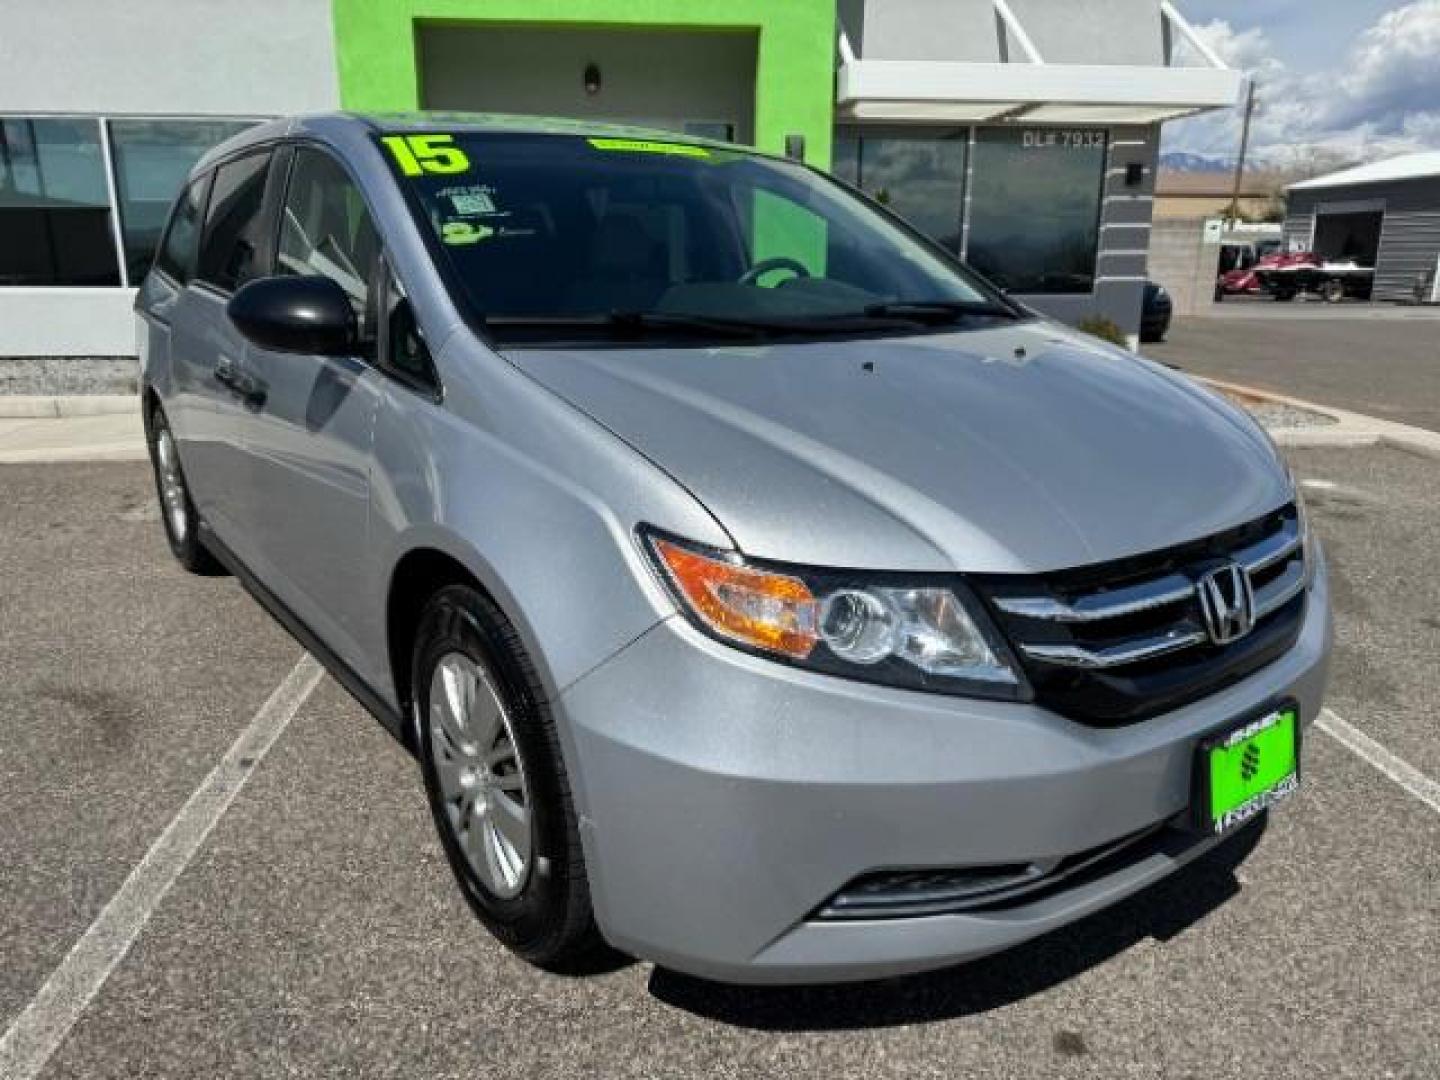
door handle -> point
(226, 374)
(251, 391)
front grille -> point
(1118, 642)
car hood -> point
(1016, 449)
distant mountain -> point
(1196, 163)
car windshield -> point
(550, 235)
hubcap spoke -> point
(172, 485)
(450, 766)
(512, 821)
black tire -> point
(184, 538)
(549, 922)
(1333, 291)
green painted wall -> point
(794, 80)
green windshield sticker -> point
(647, 146)
(464, 232)
(420, 154)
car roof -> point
(326, 126)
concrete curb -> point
(40, 407)
(1350, 429)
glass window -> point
(326, 229)
(1035, 208)
(55, 226)
(152, 158)
(920, 177)
(545, 232)
(234, 232)
(177, 254)
(405, 348)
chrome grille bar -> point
(1129, 652)
(1111, 604)
(1281, 547)
(1274, 595)
(1273, 549)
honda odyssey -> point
(762, 592)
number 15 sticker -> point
(420, 154)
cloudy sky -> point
(1358, 77)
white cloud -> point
(1385, 98)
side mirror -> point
(310, 315)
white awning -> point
(940, 91)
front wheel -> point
(496, 782)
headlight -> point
(876, 627)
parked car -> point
(1238, 262)
(762, 593)
(1156, 309)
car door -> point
(166, 341)
(308, 431)
(208, 396)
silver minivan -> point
(762, 592)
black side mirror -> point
(311, 315)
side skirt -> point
(346, 676)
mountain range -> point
(1196, 163)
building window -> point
(152, 158)
(1035, 208)
(921, 177)
(55, 226)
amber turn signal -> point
(773, 612)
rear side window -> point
(176, 255)
(230, 254)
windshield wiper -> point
(628, 322)
(930, 311)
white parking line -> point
(1396, 768)
(39, 1030)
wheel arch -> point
(418, 574)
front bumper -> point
(724, 798)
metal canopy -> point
(1030, 89)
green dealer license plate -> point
(1245, 769)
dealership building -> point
(1020, 134)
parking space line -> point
(38, 1031)
(1396, 768)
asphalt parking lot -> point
(316, 931)
(1378, 360)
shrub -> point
(1105, 329)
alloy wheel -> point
(172, 486)
(480, 775)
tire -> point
(1333, 291)
(488, 745)
(177, 510)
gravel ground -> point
(1273, 414)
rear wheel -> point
(496, 782)
(177, 509)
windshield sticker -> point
(420, 154)
(647, 146)
(459, 233)
(473, 203)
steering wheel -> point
(764, 266)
